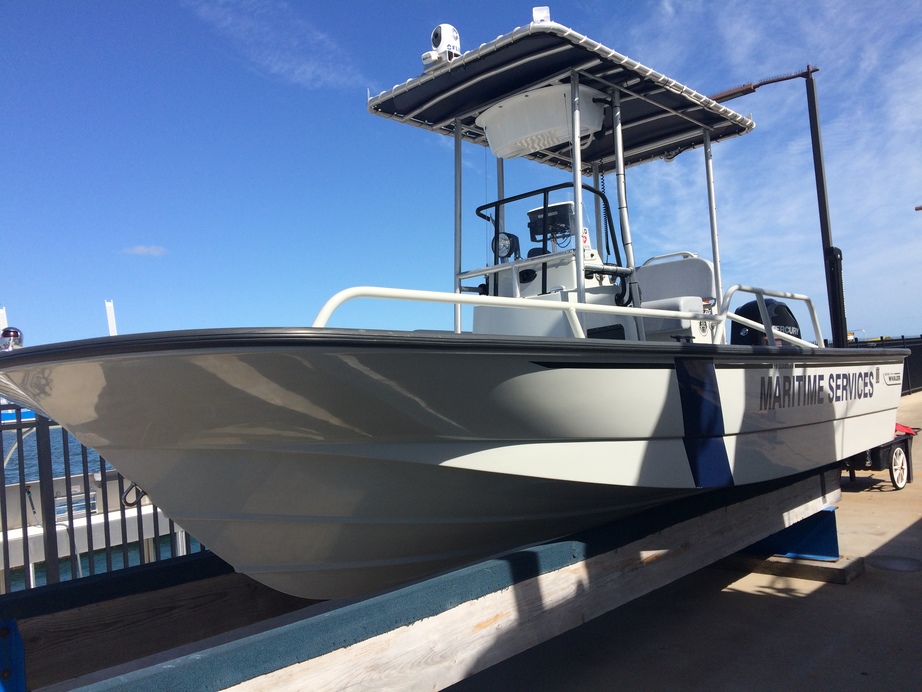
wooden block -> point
(843, 571)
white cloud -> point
(870, 97)
(274, 39)
(147, 250)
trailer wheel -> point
(899, 467)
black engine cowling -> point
(780, 314)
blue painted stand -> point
(813, 538)
(12, 658)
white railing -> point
(572, 310)
(525, 262)
(760, 294)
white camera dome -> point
(445, 39)
(446, 46)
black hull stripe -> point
(704, 424)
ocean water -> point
(19, 452)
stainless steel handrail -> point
(572, 310)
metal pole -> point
(634, 288)
(501, 192)
(46, 493)
(457, 222)
(712, 211)
(619, 178)
(599, 234)
(832, 255)
(577, 188)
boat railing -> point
(542, 259)
(526, 262)
(493, 213)
(552, 235)
(765, 326)
(570, 310)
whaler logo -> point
(892, 378)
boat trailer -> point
(894, 456)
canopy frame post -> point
(458, 215)
(620, 182)
(623, 219)
(577, 187)
(712, 214)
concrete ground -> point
(719, 629)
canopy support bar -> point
(577, 187)
(619, 179)
(500, 192)
(634, 289)
(712, 212)
(458, 211)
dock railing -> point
(65, 513)
(912, 366)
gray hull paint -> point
(329, 463)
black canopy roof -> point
(660, 117)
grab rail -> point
(571, 310)
(760, 294)
(526, 262)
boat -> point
(12, 414)
(11, 338)
(575, 385)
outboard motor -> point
(780, 314)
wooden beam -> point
(63, 645)
(438, 632)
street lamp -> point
(832, 255)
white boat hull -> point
(328, 463)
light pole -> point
(832, 256)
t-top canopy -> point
(660, 117)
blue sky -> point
(208, 163)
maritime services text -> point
(787, 391)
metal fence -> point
(912, 366)
(65, 513)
